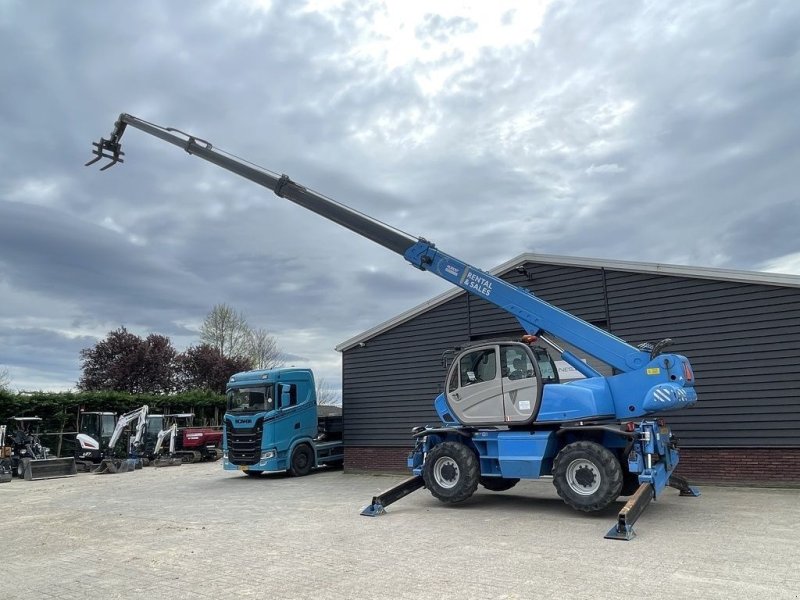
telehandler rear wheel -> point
(451, 472)
(587, 476)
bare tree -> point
(263, 351)
(326, 394)
(5, 378)
(226, 330)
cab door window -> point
(516, 363)
(478, 367)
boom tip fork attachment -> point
(109, 149)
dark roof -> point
(755, 277)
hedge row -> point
(59, 411)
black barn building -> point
(741, 331)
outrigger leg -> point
(392, 495)
(634, 508)
(681, 484)
(629, 514)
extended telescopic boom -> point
(534, 314)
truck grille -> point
(244, 444)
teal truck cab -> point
(273, 423)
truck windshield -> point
(251, 399)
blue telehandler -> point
(504, 414)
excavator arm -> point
(139, 415)
(171, 459)
(168, 433)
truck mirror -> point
(286, 394)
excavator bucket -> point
(168, 461)
(5, 471)
(115, 465)
(49, 468)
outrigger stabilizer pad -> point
(392, 495)
(640, 500)
(679, 483)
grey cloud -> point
(49, 251)
(662, 132)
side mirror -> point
(285, 391)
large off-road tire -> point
(587, 476)
(451, 472)
(302, 461)
(498, 484)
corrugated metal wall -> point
(743, 340)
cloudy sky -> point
(653, 131)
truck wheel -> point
(498, 484)
(302, 461)
(587, 476)
(451, 472)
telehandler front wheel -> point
(451, 472)
(587, 476)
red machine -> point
(194, 444)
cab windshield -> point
(251, 399)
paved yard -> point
(196, 531)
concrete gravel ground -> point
(196, 531)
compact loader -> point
(29, 459)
